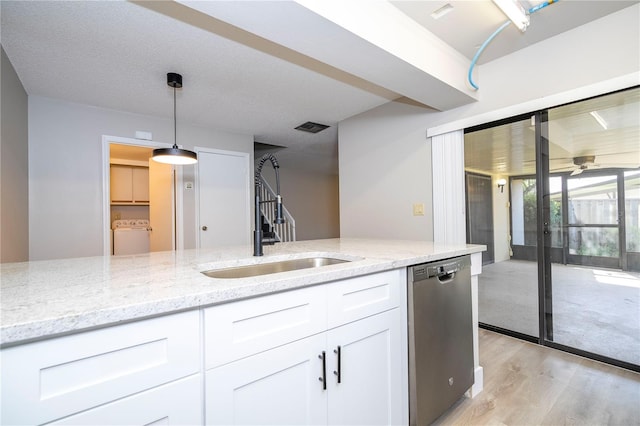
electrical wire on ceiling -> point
(531, 10)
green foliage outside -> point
(529, 205)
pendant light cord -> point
(175, 129)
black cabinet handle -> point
(323, 379)
(338, 373)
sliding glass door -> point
(566, 226)
(593, 295)
(508, 285)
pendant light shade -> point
(174, 155)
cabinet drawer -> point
(176, 403)
(50, 379)
(236, 330)
(360, 297)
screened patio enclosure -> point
(563, 232)
(594, 219)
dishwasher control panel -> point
(440, 268)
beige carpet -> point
(597, 310)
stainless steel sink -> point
(272, 267)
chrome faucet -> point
(258, 235)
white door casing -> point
(223, 199)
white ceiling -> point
(115, 54)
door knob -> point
(204, 227)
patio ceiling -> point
(574, 131)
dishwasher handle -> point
(446, 277)
(445, 271)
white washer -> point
(130, 236)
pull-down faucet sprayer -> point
(258, 237)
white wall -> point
(385, 168)
(384, 160)
(500, 220)
(574, 65)
(65, 171)
(14, 166)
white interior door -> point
(161, 206)
(224, 193)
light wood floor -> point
(528, 384)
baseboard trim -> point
(478, 382)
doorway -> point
(571, 280)
(149, 192)
(593, 220)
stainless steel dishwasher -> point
(440, 337)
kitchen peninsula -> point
(91, 338)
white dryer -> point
(130, 236)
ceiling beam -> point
(377, 44)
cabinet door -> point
(370, 371)
(176, 403)
(282, 386)
(50, 379)
(140, 184)
(121, 188)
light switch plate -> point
(418, 209)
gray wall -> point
(14, 167)
(385, 162)
(65, 171)
(385, 168)
(311, 198)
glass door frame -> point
(543, 226)
(544, 243)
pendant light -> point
(174, 155)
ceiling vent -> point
(311, 127)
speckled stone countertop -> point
(46, 298)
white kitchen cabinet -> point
(237, 330)
(129, 184)
(348, 375)
(370, 388)
(258, 360)
(359, 297)
(296, 381)
(280, 386)
(176, 403)
(51, 379)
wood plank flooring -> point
(528, 384)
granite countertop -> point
(46, 298)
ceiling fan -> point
(584, 162)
